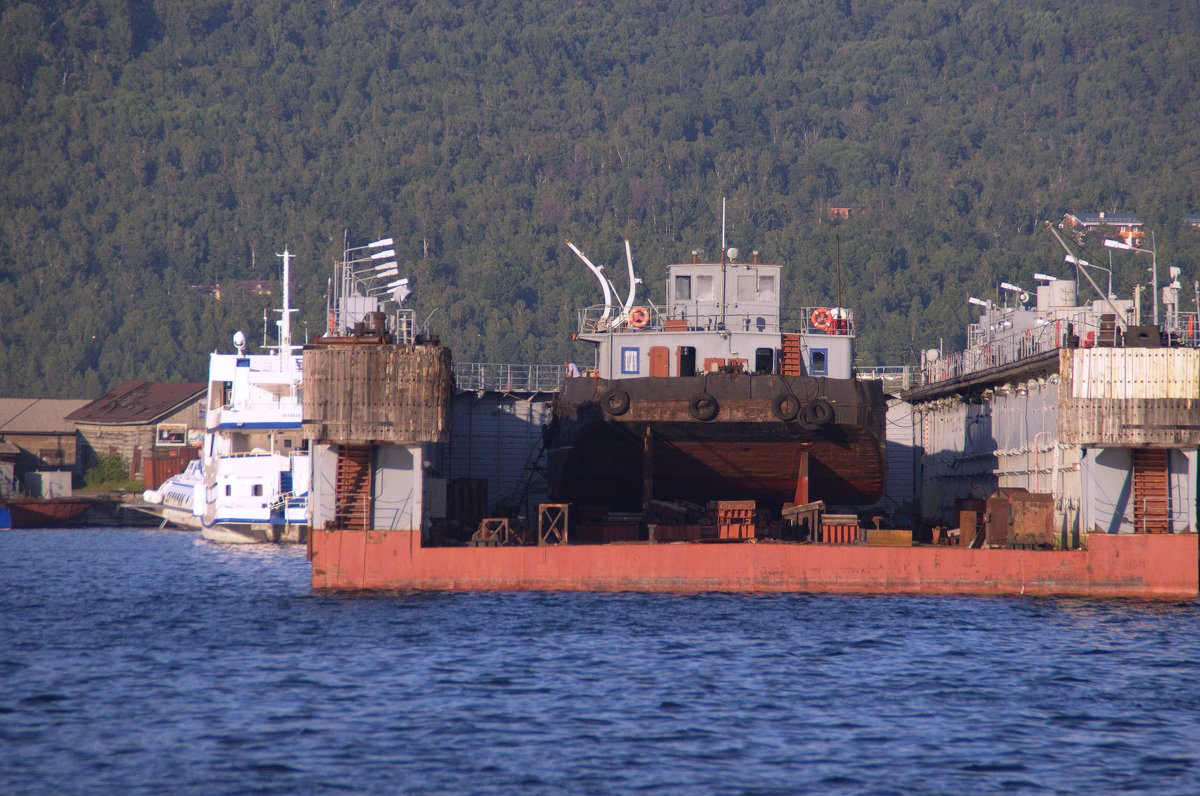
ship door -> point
(660, 361)
(687, 360)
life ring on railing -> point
(822, 318)
(639, 317)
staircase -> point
(352, 501)
(791, 363)
(1151, 492)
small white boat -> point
(179, 499)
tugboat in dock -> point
(709, 397)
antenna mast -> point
(838, 267)
(724, 275)
(285, 323)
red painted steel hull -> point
(1142, 566)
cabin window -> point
(228, 490)
(287, 443)
(746, 287)
(629, 360)
(819, 359)
(704, 288)
(683, 288)
(766, 288)
(258, 490)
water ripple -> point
(146, 662)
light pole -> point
(1120, 244)
(351, 276)
(1079, 261)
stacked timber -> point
(355, 393)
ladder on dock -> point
(352, 500)
(1151, 491)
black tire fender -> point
(785, 407)
(703, 406)
(819, 412)
(615, 401)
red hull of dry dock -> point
(1142, 566)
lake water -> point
(141, 661)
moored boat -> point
(179, 500)
(34, 512)
(710, 396)
(255, 461)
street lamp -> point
(1120, 244)
(359, 271)
(1079, 261)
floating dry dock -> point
(1067, 408)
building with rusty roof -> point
(138, 418)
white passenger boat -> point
(255, 459)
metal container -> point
(1016, 517)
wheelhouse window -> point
(746, 284)
(704, 288)
(683, 288)
(766, 288)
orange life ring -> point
(639, 317)
(822, 318)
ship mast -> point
(285, 322)
(724, 277)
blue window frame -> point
(818, 362)
(630, 361)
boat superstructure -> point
(255, 461)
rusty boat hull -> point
(655, 448)
(44, 512)
(1147, 566)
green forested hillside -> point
(149, 145)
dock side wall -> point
(1125, 565)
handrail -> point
(1080, 329)
(900, 376)
(503, 377)
(693, 319)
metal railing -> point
(591, 321)
(508, 378)
(894, 377)
(1007, 349)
